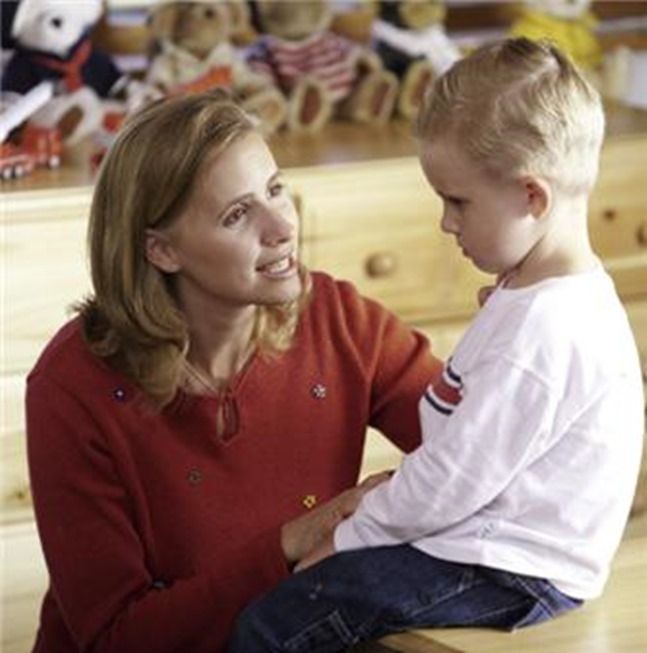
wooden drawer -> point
(377, 224)
(618, 214)
(45, 271)
(637, 312)
(24, 580)
(380, 454)
(15, 497)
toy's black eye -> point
(57, 23)
(209, 13)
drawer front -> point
(618, 214)
(15, 497)
(24, 581)
(377, 225)
(45, 273)
(380, 454)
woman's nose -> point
(278, 228)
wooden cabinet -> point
(371, 220)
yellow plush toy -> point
(569, 24)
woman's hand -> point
(302, 535)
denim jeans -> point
(362, 595)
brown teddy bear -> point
(410, 39)
(320, 72)
(194, 53)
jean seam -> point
(538, 595)
(333, 619)
(463, 587)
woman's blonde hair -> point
(147, 177)
(519, 107)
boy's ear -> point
(538, 195)
(160, 251)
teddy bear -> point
(322, 74)
(409, 37)
(194, 53)
(51, 41)
(569, 24)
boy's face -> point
(489, 216)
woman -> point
(200, 423)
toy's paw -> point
(76, 114)
(309, 106)
(373, 99)
(415, 83)
(269, 106)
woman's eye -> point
(234, 216)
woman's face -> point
(235, 243)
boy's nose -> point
(448, 223)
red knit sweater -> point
(155, 532)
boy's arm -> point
(463, 463)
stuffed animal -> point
(410, 39)
(567, 23)
(195, 53)
(51, 42)
(321, 73)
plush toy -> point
(321, 73)
(51, 42)
(567, 23)
(195, 53)
(411, 41)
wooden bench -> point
(614, 623)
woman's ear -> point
(539, 196)
(160, 251)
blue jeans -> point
(362, 595)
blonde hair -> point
(519, 107)
(147, 177)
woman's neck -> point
(220, 345)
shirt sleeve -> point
(500, 425)
(96, 557)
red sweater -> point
(155, 532)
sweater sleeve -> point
(462, 467)
(94, 553)
(398, 363)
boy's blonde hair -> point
(133, 319)
(520, 107)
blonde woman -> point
(200, 423)
(510, 511)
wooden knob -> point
(22, 495)
(381, 264)
(641, 234)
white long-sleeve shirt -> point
(531, 441)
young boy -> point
(510, 511)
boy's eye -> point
(234, 216)
(276, 189)
(456, 201)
